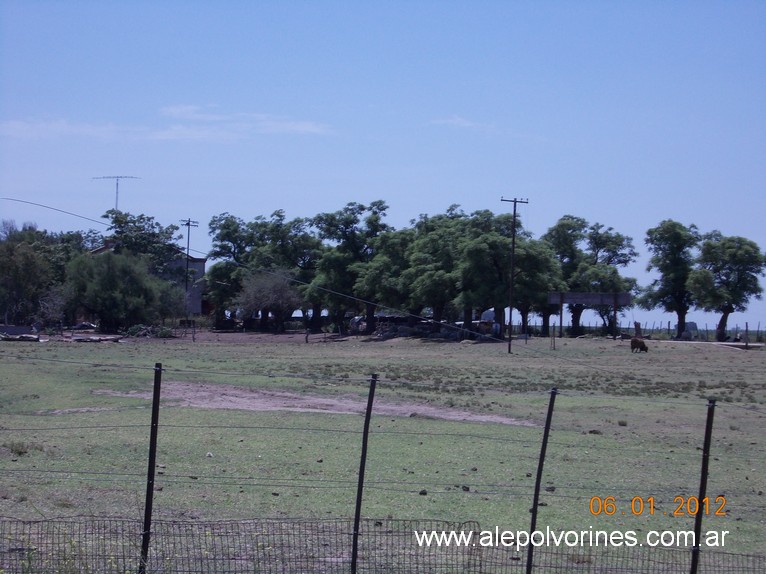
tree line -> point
(128, 276)
(449, 267)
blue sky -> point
(624, 113)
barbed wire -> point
(665, 496)
(691, 451)
(382, 380)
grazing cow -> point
(637, 345)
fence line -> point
(294, 546)
(112, 546)
(387, 546)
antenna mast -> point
(117, 179)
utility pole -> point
(117, 179)
(188, 223)
(513, 267)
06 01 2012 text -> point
(640, 506)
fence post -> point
(539, 479)
(146, 534)
(362, 463)
(703, 485)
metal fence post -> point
(146, 534)
(362, 463)
(703, 485)
(539, 479)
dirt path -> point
(207, 396)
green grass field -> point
(75, 428)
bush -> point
(137, 330)
(150, 331)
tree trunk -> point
(608, 326)
(437, 313)
(338, 316)
(263, 324)
(315, 323)
(369, 318)
(436, 318)
(681, 315)
(576, 311)
(545, 328)
(524, 313)
(499, 319)
(720, 330)
(279, 321)
(468, 318)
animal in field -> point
(637, 345)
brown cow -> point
(637, 345)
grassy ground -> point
(625, 425)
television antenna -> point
(117, 179)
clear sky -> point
(623, 113)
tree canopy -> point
(589, 256)
(449, 267)
(672, 246)
(142, 235)
(725, 276)
(121, 291)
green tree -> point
(380, 280)
(25, 278)
(726, 276)
(537, 273)
(271, 292)
(34, 269)
(223, 282)
(485, 260)
(672, 246)
(589, 256)
(291, 247)
(432, 262)
(233, 239)
(351, 232)
(233, 243)
(566, 238)
(142, 235)
(602, 278)
(272, 244)
(120, 291)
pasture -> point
(256, 426)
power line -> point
(55, 209)
(76, 215)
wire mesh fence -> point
(109, 546)
(640, 560)
(112, 546)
